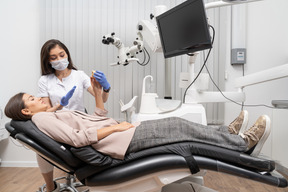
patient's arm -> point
(104, 132)
(105, 95)
(97, 93)
(61, 132)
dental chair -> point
(146, 170)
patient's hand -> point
(55, 108)
(105, 131)
(123, 126)
(97, 88)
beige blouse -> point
(79, 129)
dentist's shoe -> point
(57, 189)
(239, 124)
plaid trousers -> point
(154, 133)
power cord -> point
(243, 105)
(235, 102)
(144, 62)
(205, 61)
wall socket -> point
(238, 56)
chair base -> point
(152, 182)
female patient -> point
(116, 139)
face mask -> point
(60, 65)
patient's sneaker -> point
(239, 124)
(257, 134)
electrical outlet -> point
(238, 56)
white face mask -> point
(60, 65)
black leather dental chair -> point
(163, 165)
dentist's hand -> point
(101, 78)
(65, 100)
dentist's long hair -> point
(46, 67)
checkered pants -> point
(154, 133)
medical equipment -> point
(193, 111)
(224, 3)
(148, 100)
(184, 29)
(150, 104)
(146, 170)
(125, 54)
(149, 33)
(128, 109)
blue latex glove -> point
(65, 100)
(100, 77)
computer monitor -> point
(184, 29)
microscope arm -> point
(126, 55)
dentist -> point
(60, 77)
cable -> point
(143, 63)
(145, 50)
(243, 74)
(202, 65)
(13, 141)
(241, 104)
(21, 145)
(143, 59)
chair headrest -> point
(12, 131)
(61, 150)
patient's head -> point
(23, 106)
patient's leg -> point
(171, 130)
(47, 173)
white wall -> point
(19, 61)
(267, 45)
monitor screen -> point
(184, 29)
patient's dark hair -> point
(14, 106)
